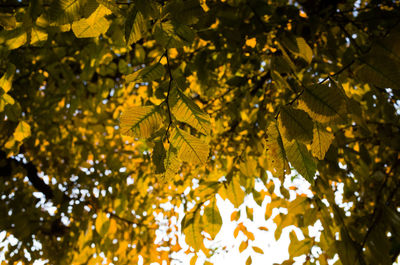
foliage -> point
(118, 113)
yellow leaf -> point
(38, 36)
(235, 216)
(192, 227)
(249, 261)
(22, 131)
(92, 26)
(190, 149)
(185, 110)
(322, 139)
(213, 220)
(235, 193)
(243, 246)
(276, 152)
(193, 260)
(258, 250)
(6, 79)
(140, 121)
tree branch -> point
(31, 172)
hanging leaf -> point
(212, 220)
(190, 149)
(295, 124)
(323, 103)
(140, 121)
(301, 159)
(171, 163)
(275, 151)
(94, 25)
(158, 157)
(135, 25)
(185, 110)
(234, 192)
(192, 227)
(147, 74)
(322, 139)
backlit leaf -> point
(171, 163)
(192, 227)
(6, 79)
(295, 124)
(7, 21)
(301, 159)
(275, 151)
(147, 74)
(249, 261)
(243, 246)
(140, 121)
(135, 25)
(322, 139)
(185, 110)
(323, 103)
(190, 149)
(22, 131)
(234, 193)
(298, 248)
(257, 250)
(92, 26)
(213, 220)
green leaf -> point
(6, 79)
(276, 152)
(192, 227)
(147, 74)
(173, 35)
(381, 65)
(22, 131)
(185, 110)
(171, 163)
(158, 157)
(212, 219)
(295, 124)
(190, 149)
(140, 121)
(65, 11)
(7, 21)
(301, 159)
(135, 25)
(322, 139)
(92, 26)
(323, 103)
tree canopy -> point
(116, 113)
